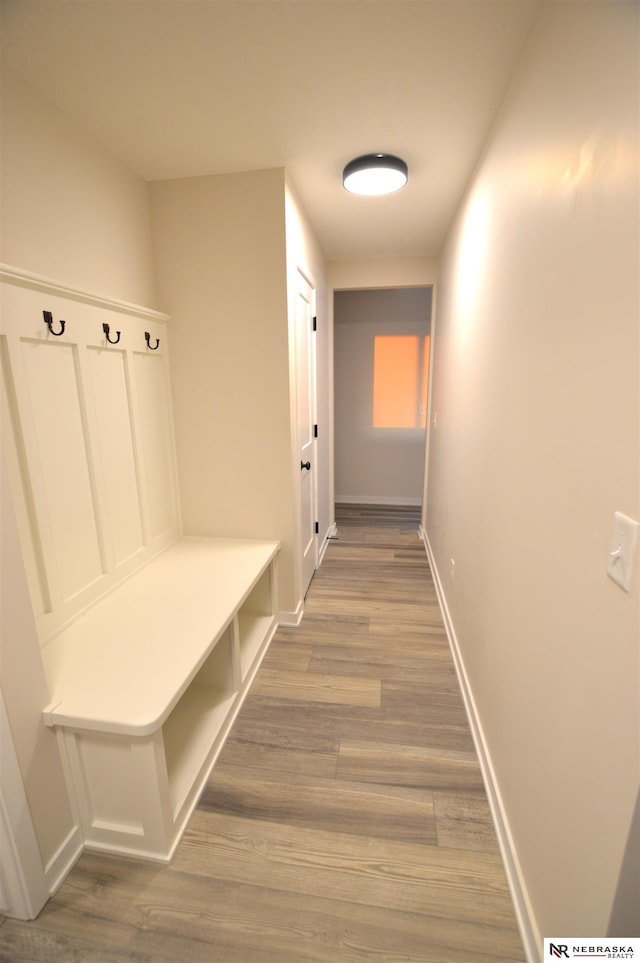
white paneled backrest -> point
(89, 437)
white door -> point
(305, 400)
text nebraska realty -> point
(604, 952)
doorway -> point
(382, 342)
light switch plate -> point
(622, 550)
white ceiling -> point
(181, 88)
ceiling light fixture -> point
(374, 174)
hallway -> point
(345, 819)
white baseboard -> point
(295, 618)
(291, 618)
(331, 533)
(377, 500)
(63, 861)
(529, 931)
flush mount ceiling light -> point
(375, 174)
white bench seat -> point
(145, 685)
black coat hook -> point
(48, 320)
(147, 338)
(105, 328)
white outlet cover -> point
(622, 550)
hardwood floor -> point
(345, 819)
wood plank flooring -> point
(345, 819)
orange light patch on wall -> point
(400, 373)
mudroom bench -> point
(145, 686)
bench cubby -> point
(253, 620)
(199, 719)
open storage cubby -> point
(198, 721)
(253, 618)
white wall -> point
(221, 267)
(70, 211)
(536, 394)
(382, 273)
(374, 465)
(73, 213)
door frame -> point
(303, 275)
(23, 884)
(364, 277)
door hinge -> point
(315, 323)
(317, 528)
(315, 431)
